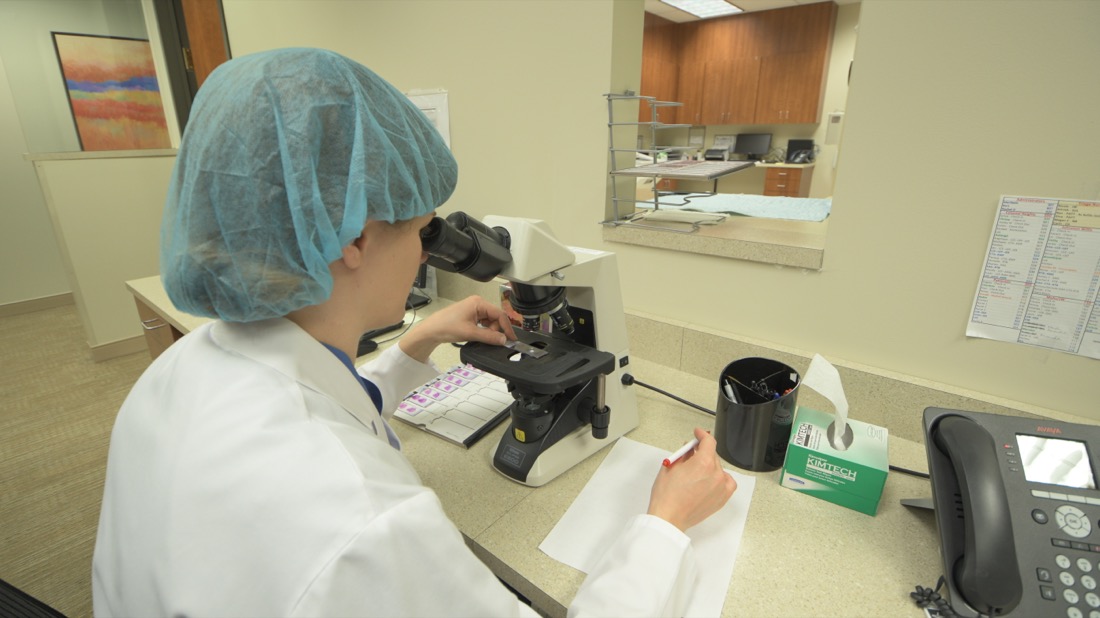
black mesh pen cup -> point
(756, 404)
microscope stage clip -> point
(525, 348)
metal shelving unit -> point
(668, 220)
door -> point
(205, 29)
(195, 43)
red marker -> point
(680, 452)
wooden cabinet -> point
(660, 69)
(794, 63)
(666, 184)
(690, 93)
(788, 181)
(659, 80)
(786, 93)
(766, 67)
(730, 91)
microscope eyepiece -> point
(445, 241)
(461, 244)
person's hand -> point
(693, 488)
(473, 319)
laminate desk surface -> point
(799, 556)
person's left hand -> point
(473, 319)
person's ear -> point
(352, 254)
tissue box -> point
(853, 478)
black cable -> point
(408, 307)
(925, 597)
(922, 475)
(629, 379)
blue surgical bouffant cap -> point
(286, 155)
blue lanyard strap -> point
(372, 390)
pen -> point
(729, 392)
(680, 452)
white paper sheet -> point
(618, 491)
(1041, 276)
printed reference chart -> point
(1041, 274)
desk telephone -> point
(801, 156)
(1018, 513)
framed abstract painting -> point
(113, 92)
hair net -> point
(286, 155)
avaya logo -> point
(1052, 430)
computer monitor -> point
(416, 299)
(753, 145)
(421, 277)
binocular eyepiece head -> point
(464, 245)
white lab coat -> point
(249, 474)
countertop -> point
(799, 556)
(787, 165)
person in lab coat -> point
(251, 469)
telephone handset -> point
(802, 156)
(1018, 512)
(985, 573)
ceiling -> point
(673, 14)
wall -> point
(35, 118)
(937, 111)
(932, 139)
(106, 209)
(25, 237)
(526, 82)
(836, 96)
(957, 85)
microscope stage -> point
(564, 364)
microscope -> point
(569, 397)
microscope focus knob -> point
(601, 418)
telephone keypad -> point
(1077, 584)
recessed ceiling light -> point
(704, 8)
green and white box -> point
(853, 478)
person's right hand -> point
(472, 319)
(693, 488)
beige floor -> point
(55, 421)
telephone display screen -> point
(1056, 461)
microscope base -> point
(564, 446)
(563, 455)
